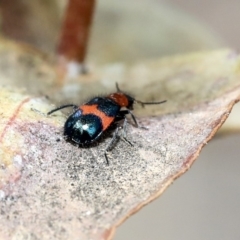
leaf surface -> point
(51, 189)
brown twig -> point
(75, 30)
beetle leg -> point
(112, 142)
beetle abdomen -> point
(83, 129)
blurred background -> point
(204, 202)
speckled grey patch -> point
(64, 187)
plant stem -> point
(75, 30)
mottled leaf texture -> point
(51, 189)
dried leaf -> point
(51, 189)
(232, 125)
(24, 67)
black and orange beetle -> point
(90, 120)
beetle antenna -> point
(118, 89)
(149, 103)
(140, 102)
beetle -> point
(90, 120)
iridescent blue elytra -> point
(83, 129)
(86, 124)
(89, 121)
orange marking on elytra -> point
(92, 109)
(12, 118)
